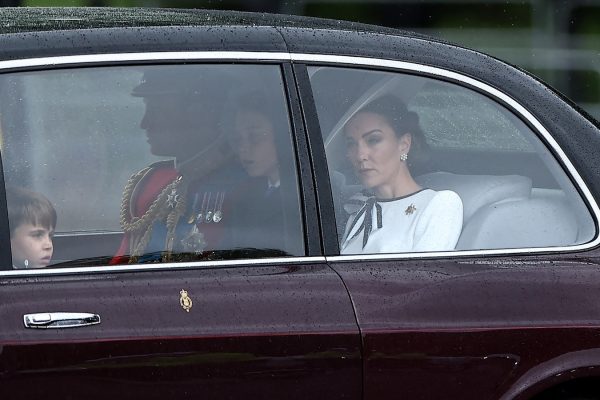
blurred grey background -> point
(557, 40)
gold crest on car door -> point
(185, 300)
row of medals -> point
(195, 241)
(208, 214)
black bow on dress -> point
(367, 224)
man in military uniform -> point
(175, 210)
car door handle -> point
(59, 320)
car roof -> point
(36, 19)
(38, 32)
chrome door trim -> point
(116, 58)
(278, 261)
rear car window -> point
(160, 163)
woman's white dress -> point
(423, 221)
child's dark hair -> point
(25, 206)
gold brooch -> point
(410, 209)
(185, 300)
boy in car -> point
(32, 221)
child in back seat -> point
(32, 220)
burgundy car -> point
(177, 192)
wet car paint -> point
(249, 330)
(472, 327)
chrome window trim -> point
(449, 254)
(87, 233)
(145, 57)
(102, 59)
(279, 261)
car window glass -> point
(449, 115)
(418, 164)
(149, 164)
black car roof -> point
(29, 19)
(38, 32)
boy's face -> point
(32, 243)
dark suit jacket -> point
(257, 217)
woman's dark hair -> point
(25, 206)
(402, 121)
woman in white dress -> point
(394, 213)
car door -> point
(512, 303)
(246, 310)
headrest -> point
(549, 223)
(477, 191)
(341, 190)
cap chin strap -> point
(180, 165)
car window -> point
(418, 165)
(448, 114)
(135, 164)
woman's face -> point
(254, 141)
(32, 243)
(374, 149)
